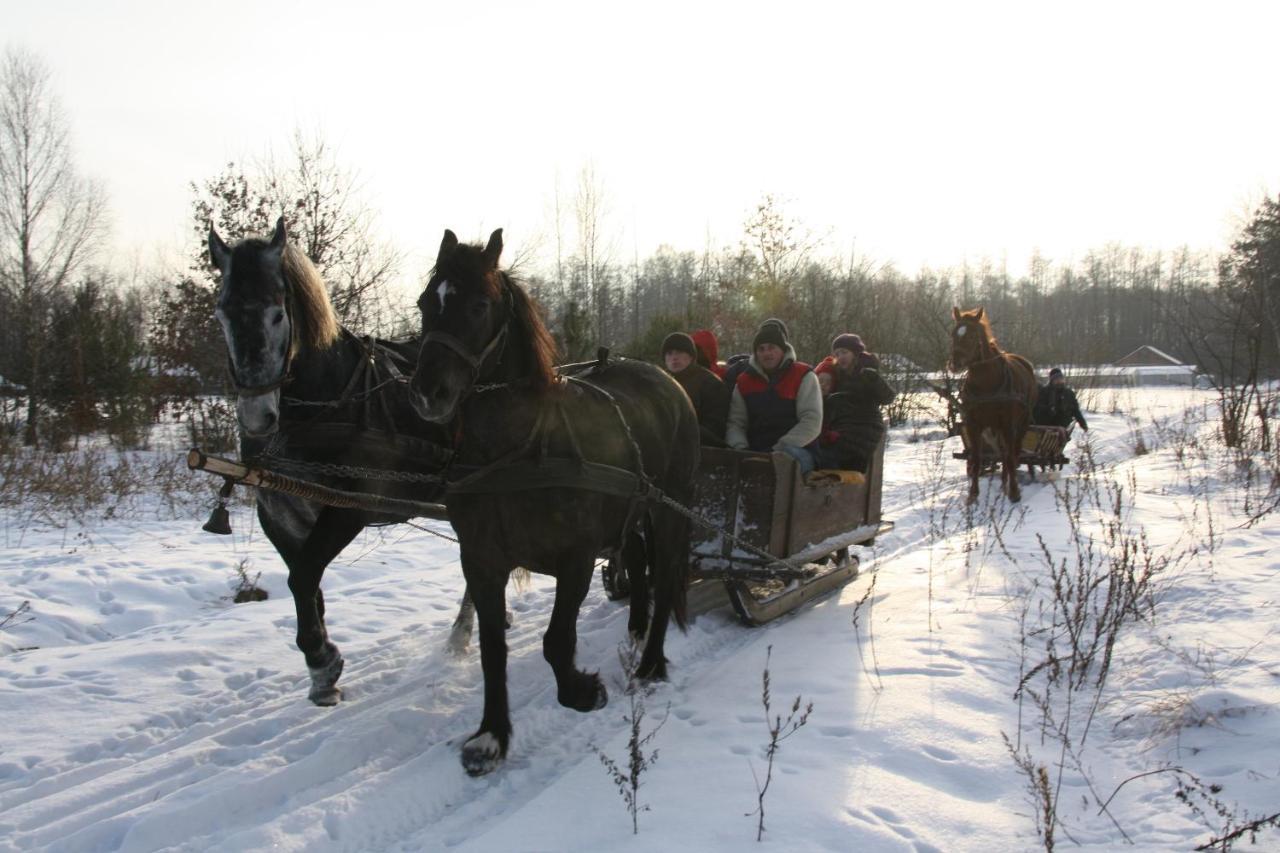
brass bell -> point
(220, 520)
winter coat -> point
(867, 391)
(1057, 406)
(769, 411)
(708, 351)
(852, 424)
(710, 400)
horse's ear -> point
(955, 313)
(447, 245)
(978, 315)
(219, 252)
(493, 250)
(278, 236)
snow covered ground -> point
(140, 710)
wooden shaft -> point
(262, 478)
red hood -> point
(705, 341)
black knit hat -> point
(770, 332)
(680, 342)
(1057, 371)
(774, 321)
(848, 341)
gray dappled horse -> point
(309, 391)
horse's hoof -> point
(324, 683)
(591, 695)
(482, 754)
(459, 641)
(652, 671)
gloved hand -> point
(829, 436)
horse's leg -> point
(487, 584)
(463, 624)
(637, 555)
(975, 461)
(581, 691)
(1013, 447)
(669, 569)
(334, 529)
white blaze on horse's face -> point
(960, 331)
(444, 290)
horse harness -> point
(372, 431)
(1005, 392)
(531, 466)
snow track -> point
(245, 761)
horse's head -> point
(253, 311)
(466, 309)
(971, 339)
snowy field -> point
(141, 710)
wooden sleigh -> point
(1042, 447)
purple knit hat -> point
(848, 341)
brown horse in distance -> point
(996, 398)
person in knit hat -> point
(738, 363)
(707, 393)
(1057, 405)
(853, 425)
(777, 402)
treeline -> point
(1094, 311)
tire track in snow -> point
(381, 765)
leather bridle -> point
(474, 360)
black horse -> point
(312, 393)
(540, 477)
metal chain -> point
(351, 471)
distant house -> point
(1149, 366)
(1148, 356)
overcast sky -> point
(927, 133)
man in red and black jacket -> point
(777, 403)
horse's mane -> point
(315, 324)
(527, 316)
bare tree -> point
(334, 226)
(50, 218)
(781, 246)
(595, 249)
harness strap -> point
(548, 473)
